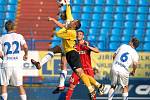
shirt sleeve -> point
(68, 13)
(135, 57)
(22, 40)
(118, 49)
(66, 34)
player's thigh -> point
(63, 61)
(17, 77)
(5, 74)
(73, 59)
(114, 77)
(123, 78)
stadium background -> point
(106, 23)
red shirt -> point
(85, 58)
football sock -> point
(86, 81)
(46, 58)
(111, 93)
(94, 82)
(69, 94)
(23, 97)
(125, 96)
(63, 75)
(4, 96)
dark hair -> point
(78, 25)
(80, 31)
(9, 25)
(135, 42)
(63, 15)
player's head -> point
(80, 35)
(75, 24)
(63, 15)
(9, 25)
(134, 42)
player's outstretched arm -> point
(56, 22)
(1, 55)
(68, 13)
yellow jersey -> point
(68, 36)
(68, 39)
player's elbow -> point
(1, 55)
(57, 34)
(97, 50)
(25, 47)
(114, 56)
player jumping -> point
(54, 50)
(84, 49)
(68, 35)
(125, 56)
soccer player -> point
(54, 50)
(63, 73)
(57, 49)
(124, 57)
(68, 35)
(84, 49)
(10, 52)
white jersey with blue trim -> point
(10, 45)
(125, 56)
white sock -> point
(46, 58)
(4, 96)
(97, 84)
(23, 97)
(111, 93)
(67, 1)
(63, 75)
(125, 96)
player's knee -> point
(113, 86)
(56, 49)
(125, 87)
(79, 71)
(63, 63)
(63, 66)
(72, 86)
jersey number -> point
(8, 45)
(124, 57)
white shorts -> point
(11, 74)
(119, 77)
